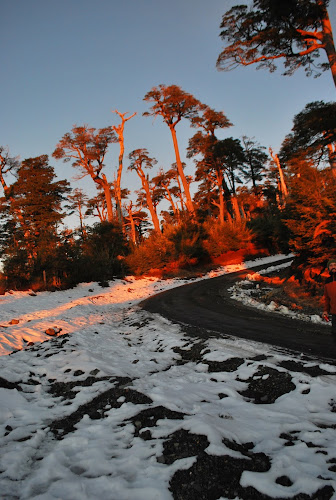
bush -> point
(226, 237)
(270, 232)
(103, 253)
(154, 253)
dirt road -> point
(210, 311)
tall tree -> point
(119, 130)
(38, 196)
(172, 104)
(255, 160)
(168, 191)
(140, 160)
(314, 133)
(8, 165)
(293, 30)
(79, 202)
(311, 212)
(87, 148)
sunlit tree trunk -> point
(189, 202)
(171, 201)
(221, 204)
(119, 129)
(132, 223)
(332, 158)
(328, 41)
(235, 207)
(283, 187)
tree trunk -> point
(149, 200)
(283, 187)
(190, 205)
(332, 158)
(328, 40)
(119, 129)
(219, 179)
(132, 224)
(236, 208)
(102, 181)
(171, 201)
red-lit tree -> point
(293, 30)
(86, 148)
(140, 160)
(172, 104)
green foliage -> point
(187, 245)
(103, 253)
(311, 214)
(225, 237)
(30, 224)
(270, 232)
(273, 29)
(154, 253)
(188, 240)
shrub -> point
(223, 238)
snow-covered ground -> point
(90, 414)
(244, 291)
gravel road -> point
(208, 309)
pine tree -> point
(32, 239)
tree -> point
(311, 213)
(87, 148)
(103, 253)
(203, 144)
(294, 30)
(229, 156)
(314, 134)
(37, 196)
(79, 200)
(255, 160)
(134, 219)
(8, 165)
(163, 181)
(173, 104)
(119, 130)
(140, 160)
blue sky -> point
(69, 62)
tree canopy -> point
(293, 30)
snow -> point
(242, 291)
(111, 337)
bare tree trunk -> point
(149, 200)
(171, 201)
(328, 40)
(221, 205)
(283, 187)
(332, 158)
(107, 191)
(236, 208)
(119, 129)
(132, 224)
(189, 202)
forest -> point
(242, 198)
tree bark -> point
(328, 40)
(149, 200)
(189, 202)
(102, 181)
(119, 129)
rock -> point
(51, 332)
(14, 321)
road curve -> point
(207, 307)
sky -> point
(72, 426)
(75, 61)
